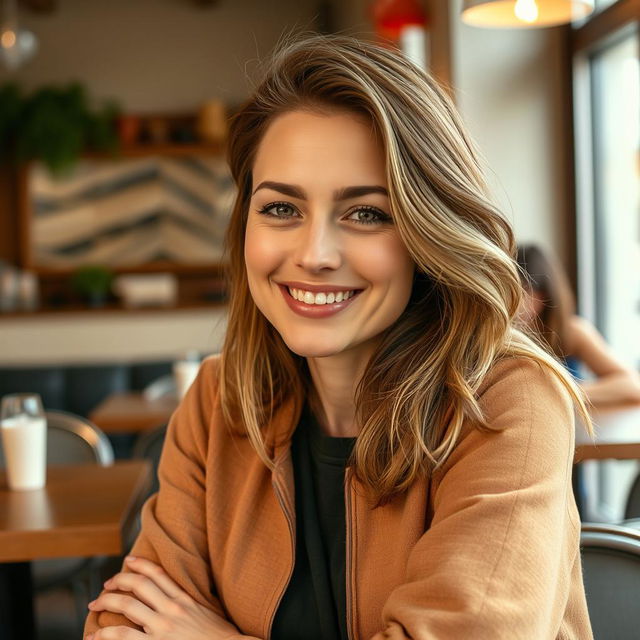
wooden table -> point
(84, 510)
(132, 412)
(617, 435)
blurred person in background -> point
(378, 451)
(548, 310)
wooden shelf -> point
(206, 270)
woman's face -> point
(325, 263)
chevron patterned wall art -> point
(131, 212)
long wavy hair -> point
(420, 385)
(541, 273)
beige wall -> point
(509, 90)
(159, 55)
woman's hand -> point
(159, 606)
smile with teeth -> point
(320, 298)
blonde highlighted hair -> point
(420, 385)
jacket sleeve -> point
(498, 558)
(173, 532)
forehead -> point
(304, 146)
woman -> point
(377, 452)
(548, 310)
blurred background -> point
(114, 193)
(553, 110)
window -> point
(616, 163)
(606, 72)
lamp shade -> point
(509, 14)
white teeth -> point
(320, 298)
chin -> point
(313, 349)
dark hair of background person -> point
(541, 273)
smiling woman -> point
(333, 238)
(378, 452)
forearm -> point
(615, 388)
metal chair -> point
(611, 570)
(72, 439)
(161, 387)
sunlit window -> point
(616, 143)
(607, 146)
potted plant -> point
(54, 125)
(93, 283)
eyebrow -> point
(345, 193)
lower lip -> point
(315, 310)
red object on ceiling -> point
(391, 16)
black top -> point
(314, 604)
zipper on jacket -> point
(348, 513)
(292, 531)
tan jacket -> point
(485, 549)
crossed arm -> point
(501, 496)
(150, 599)
(614, 383)
(145, 600)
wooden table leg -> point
(17, 619)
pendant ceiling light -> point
(509, 14)
(16, 45)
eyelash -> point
(382, 217)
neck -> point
(334, 380)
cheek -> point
(261, 253)
(388, 262)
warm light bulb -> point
(526, 10)
(8, 38)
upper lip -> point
(318, 288)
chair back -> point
(611, 570)
(149, 447)
(72, 439)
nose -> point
(318, 247)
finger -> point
(144, 589)
(138, 612)
(156, 573)
(116, 633)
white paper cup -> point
(24, 440)
(184, 372)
